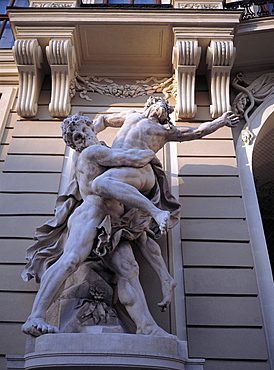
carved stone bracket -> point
(220, 58)
(28, 57)
(62, 61)
(186, 58)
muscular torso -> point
(86, 171)
(140, 132)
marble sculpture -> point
(119, 198)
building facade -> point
(206, 57)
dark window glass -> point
(6, 36)
(119, 2)
(3, 5)
(144, 2)
(21, 3)
(7, 41)
(136, 2)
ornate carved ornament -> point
(62, 61)
(106, 86)
(28, 57)
(53, 4)
(220, 58)
(186, 58)
(253, 91)
(199, 6)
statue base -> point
(86, 351)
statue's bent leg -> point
(82, 231)
(122, 262)
(151, 250)
(125, 185)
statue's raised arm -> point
(186, 134)
(110, 120)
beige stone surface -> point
(205, 166)
(9, 303)
(224, 311)
(212, 207)
(3, 152)
(36, 129)
(46, 146)
(240, 365)
(14, 250)
(214, 229)
(37, 164)
(217, 254)
(12, 330)
(27, 204)
(223, 281)
(207, 148)
(210, 186)
(11, 279)
(16, 226)
(30, 183)
(245, 344)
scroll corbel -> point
(186, 58)
(28, 57)
(62, 61)
(220, 58)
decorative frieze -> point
(220, 58)
(54, 4)
(186, 58)
(28, 57)
(106, 86)
(62, 61)
(199, 5)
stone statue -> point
(125, 198)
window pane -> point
(21, 3)
(7, 40)
(118, 1)
(3, 5)
(145, 2)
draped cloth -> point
(51, 237)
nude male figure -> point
(92, 159)
(149, 130)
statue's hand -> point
(230, 119)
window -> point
(136, 2)
(6, 36)
(120, 2)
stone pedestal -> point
(84, 351)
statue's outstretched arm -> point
(186, 133)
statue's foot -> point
(154, 330)
(162, 219)
(37, 327)
(167, 288)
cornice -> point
(195, 17)
(256, 25)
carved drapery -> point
(28, 57)
(186, 58)
(106, 86)
(62, 61)
(220, 58)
